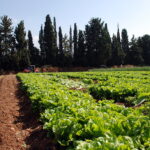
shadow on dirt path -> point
(19, 127)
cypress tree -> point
(60, 41)
(55, 38)
(55, 32)
(70, 40)
(30, 40)
(60, 55)
(117, 52)
(81, 49)
(125, 44)
(30, 46)
(66, 51)
(49, 41)
(75, 42)
(125, 41)
(21, 46)
(119, 49)
(118, 36)
(115, 59)
(114, 54)
(33, 51)
(89, 52)
(42, 48)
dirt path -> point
(19, 128)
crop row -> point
(75, 120)
(128, 88)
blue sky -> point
(134, 15)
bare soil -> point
(19, 127)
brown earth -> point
(19, 127)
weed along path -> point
(19, 128)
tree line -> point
(91, 47)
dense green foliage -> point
(23, 59)
(90, 47)
(125, 41)
(6, 43)
(98, 42)
(78, 121)
(117, 51)
(81, 59)
(75, 45)
(49, 40)
(60, 55)
(41, 43)
(70, 40)
(33, 51)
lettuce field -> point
(92, 110)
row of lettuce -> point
(77, 121)
(130, 88)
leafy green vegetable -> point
(76, 120)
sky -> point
(134, 15)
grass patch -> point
(147, 68)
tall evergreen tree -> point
(134, 56)
(144, 43)
(105, 53)
(55, 38)
(49, 41)
(55, 32)
(30, 46)
(118, 36)
(92, 47)
(33, 51)
(98, 42)
(60, 55)
(114, 55)
(125, 44)
(116, 58)
(42, 46)
(93, 34)
(60, 41)
(13, 63)
(75, 43)
(119, 50)
(81, 49)
(6, 42)
(30, 40)
(21, 46)
(70, 40)
(66, 51)
(125, 41)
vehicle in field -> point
(31, 68)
